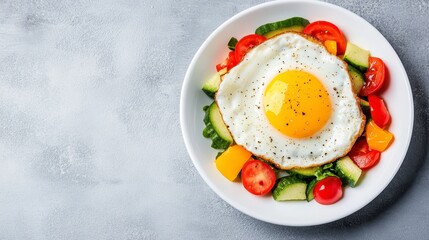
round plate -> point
(397, 96)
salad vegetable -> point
(328, 190)
(324, 30)
(374, 76)
(232, 43)
(294, 24)
(228, 63)
(357, 57)
(230, 162)
(331, 46)
(245, 44)
(362, 155)
(379, 112)
(258, 177)
(377, 138)
(290, 188)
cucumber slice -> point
(364, 105)
(283, 30)
(232, 42)
(290, 24)
(348, 171)
(290, 188)
(215, 128)
(309, 191)
(211, 86)
(304, 172)
(357, 57)
(357, 79)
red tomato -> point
(379, 112)
(246, 43)
(374, 76)
(362, 155)
(257, 177)
(228, 63)
(324, 30)
(328, 190)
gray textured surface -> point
(90, 143)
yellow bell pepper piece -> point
(331, 46)
(232, 160)
(377, 138)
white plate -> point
(398, 97)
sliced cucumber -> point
(358, 79)
(232, 42)
(348, 171)
(357, 57)
(296, 24)
(215, 128)
(211, 86)
(364, 105)
(304, 172)
(309, 190)
(283, 30)
(290, 188)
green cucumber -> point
(211, 86)
(357, 57)
(348, 171)
(364, 105)
(296, 24)
(215, 128)
(309, 190)
(283, 30)
(357, 77)
(303, 172)
(290, 188)
(232, 42)
(325, 171)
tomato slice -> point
(228, 63)
(374, 76)
(362, 155)
(379, 112)
(324, 30)
(258, 177)
(246, 43)
(328, 190)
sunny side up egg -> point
(291, 102)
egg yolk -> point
(297, 104)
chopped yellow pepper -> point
(377, 138)
(232, 160)
(331, 46)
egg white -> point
(240, 99)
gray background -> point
(90, 142)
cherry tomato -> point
(246, 43)
(324, 30)
(328, 190)
(374, 76)
(228, 63)
(257, 177)
(362, 155)
(379, 112)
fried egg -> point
(291, 102)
